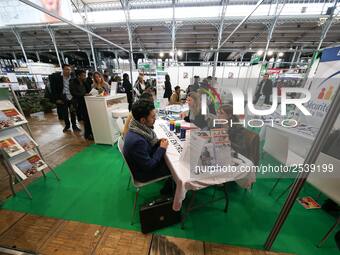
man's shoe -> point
(76, 129)
(90, 138)
(66, 129)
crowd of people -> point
(67, 89)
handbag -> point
(158, 214)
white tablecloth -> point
(181, 172)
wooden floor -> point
(42, 235)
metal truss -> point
(143, 4)
(220, 33)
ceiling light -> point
(250, 48)
(281, 54)
(270, 53)
(50, 50)
(259, 52)
(161, 54)
(179, 53)
(291, 48)
(171, 53)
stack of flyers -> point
(10, 117)
(17, 144)
(29, 166)
(11, 147)
(25, 142)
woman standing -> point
(99, 83)
(168, 89)
(128, 89)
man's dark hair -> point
(146, 96)
(142, 109)
(89, 74)
(78, 72)
(125, 76)
(65, 65)
(177, 87)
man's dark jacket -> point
(57, 86)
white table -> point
(100, 114)
(181, 172)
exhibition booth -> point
(237, 208)
(261, 171)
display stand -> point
(22, 157)
(100, 113)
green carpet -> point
(93, 190)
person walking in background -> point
(168, 89)
(175, 97)
(128, 89)
(63, 97)
(265, 88)
(139, 86)
(99, 83)
(49, 90)
(78, 91)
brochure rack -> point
(21, 155)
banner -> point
(323, 86)
(14, 12)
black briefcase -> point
(158, 214)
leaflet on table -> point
(94, 92)
(207, 149)
(177, 108)
(10, 117)
(27, 167)
(169, 117)
(217, 151)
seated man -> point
(175, 97)
(143, 151)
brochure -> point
(308, 203)
(29, 166)
(11, 147)
(10, 118)
(25, 141)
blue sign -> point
(330, 54)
